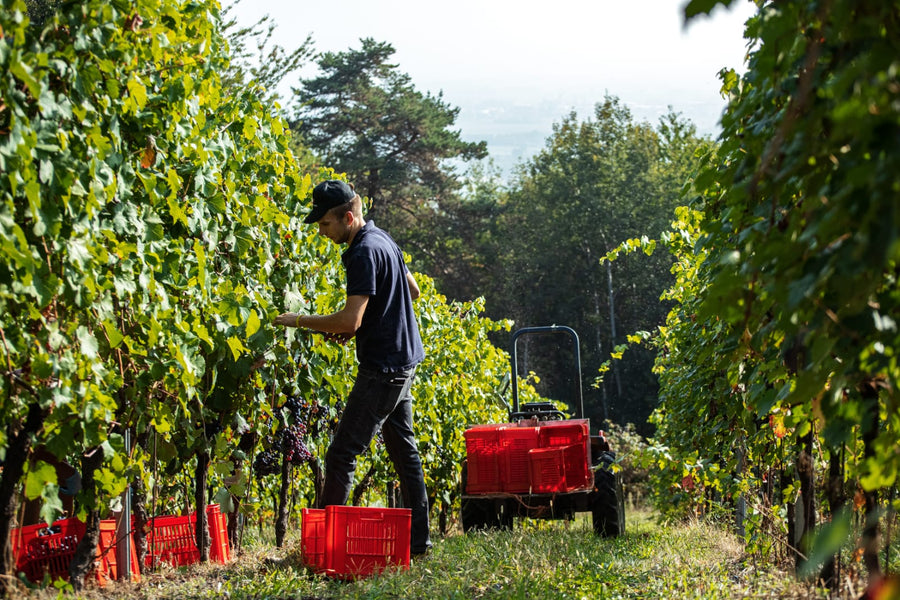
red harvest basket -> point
(219, 551)
(109, 568)
(483, 454)
(564, 433)
(312, 538)
(578, 467)
(361, 541)
(516, 442)
(574, 436)
(548, 471)
(172, 539)
(358, 541)
(39, 550)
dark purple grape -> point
(292, 444)
(267, 462)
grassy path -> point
(535, 560)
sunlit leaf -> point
(38, 478)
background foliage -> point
(597, 182)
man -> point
(379, 313)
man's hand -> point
(293, 320)
(288, 319)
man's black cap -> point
(326, 196)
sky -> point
(514, 68)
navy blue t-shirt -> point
(388, 338)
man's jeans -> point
(379, 400)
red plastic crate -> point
(312, 538)
(173, 540)
(361, 541)
(39, 550)
(574, 436)
(219, 551)
(564, 433)
(483, 471)
(578, 467)
(548, 470)
(348, 542)
(483, 454)
(109, 567)
(479, 437)
(515, 470)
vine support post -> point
(740, 509)
(200, 488)
(281, 521)
(123, 525)
(807, 518)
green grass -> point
(534, 560)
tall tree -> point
(363, 116)
(462, 238)
(40, 10)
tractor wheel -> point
(607, 505)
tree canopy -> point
(364, 117)
(597, 182)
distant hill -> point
(515, 132)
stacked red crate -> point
(548, 471)
(109, 568)
(219, 551)
(483, 453)
(574, 436)
(517, 459)
(516, 442)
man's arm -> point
(413, 286)
(343, 322)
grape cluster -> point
(300, 409)
(298, 419)
(292, 445)
(267, 462)
(247, 442)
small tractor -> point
(540, 464)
